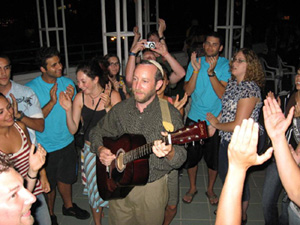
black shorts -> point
(209, 149)
(61, 165)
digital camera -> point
(149, 44)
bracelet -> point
(33, 178)
(162, 38)
(196, 72)
(21, 116)
(132, 53)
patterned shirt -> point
(233, 93)
(20, 159)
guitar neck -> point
(193, 132)
(139, 152)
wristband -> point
(196, 72)
(33, 178)
(162, 38)
(132, 53)
(21, 116)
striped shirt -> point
(21, 160)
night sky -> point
(85, 25)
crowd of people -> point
(38, 121)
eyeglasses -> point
(114, 64)
(7, 67)
(238, 60)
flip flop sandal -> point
(190, 195)
(212, 198)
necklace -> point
(93, 98)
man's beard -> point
(146, 96)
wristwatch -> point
(162, 38)
(21, 116)
(213, 74)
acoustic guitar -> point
(131, 167)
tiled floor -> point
(198, 212)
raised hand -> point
(160, 48)
(179, 104)
(115, 83)
(65, 101)
(139, 46)
(53, 97)
(70, 91)
(37, 159)
(15, 106)
(162, 27)
(136, 32)
(105, 96)
(275, 122)
(242, 149)
(212, 61)
(195, 63)
(272, 96)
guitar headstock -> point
(194, 132)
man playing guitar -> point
(142, 115)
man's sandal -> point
(213, 199)
(190, 196)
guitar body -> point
(115, 183)
(131, 166)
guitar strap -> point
(166, 117)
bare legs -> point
(170, 213)
(65, 191)
(212, 176)
(192, 172)
(245, 205)
(97, 216)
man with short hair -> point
(205, 82)
(26, 104)
(61, 165)
(15, 199)
(144, 204)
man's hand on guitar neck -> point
(160, 149)
(105, 156)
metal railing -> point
(23, 60)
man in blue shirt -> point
(205, 82)
(61, 164)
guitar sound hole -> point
(119, 160)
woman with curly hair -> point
(241, 100)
